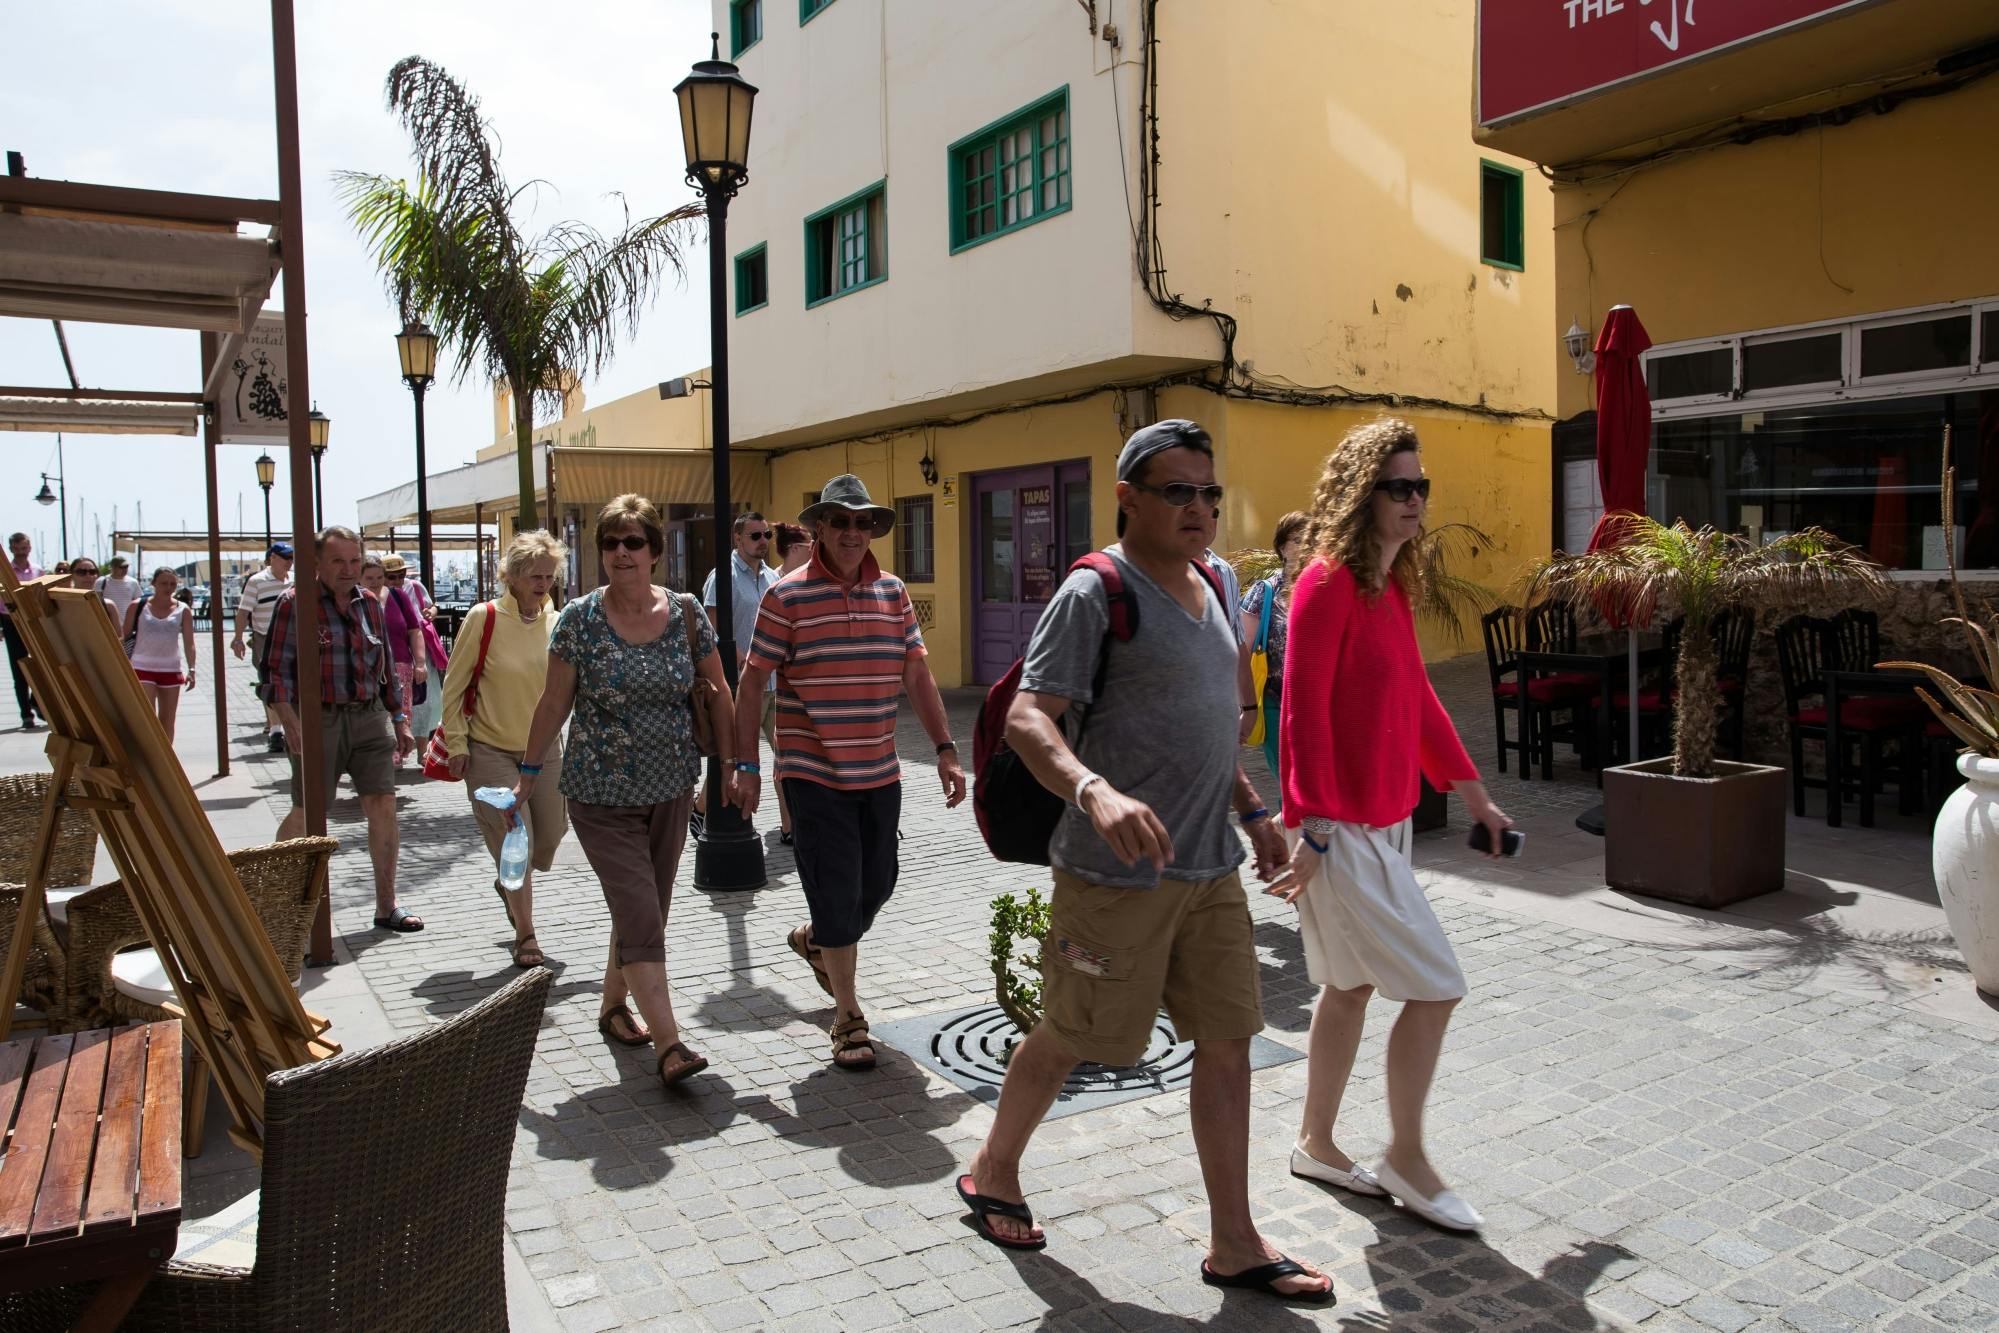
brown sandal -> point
(690, 1064)
(801, 945)
(851, 1034)
(607, 1024)
(525, 946)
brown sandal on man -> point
(690, 1063)
(527, 952)
(607, 1023)
(800, 940)
(851, 1034)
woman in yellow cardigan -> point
(486, 747)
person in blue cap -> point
(253, 614)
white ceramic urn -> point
(1965, 857)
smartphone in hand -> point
(1510, 841)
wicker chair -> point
(111, 982)
(21, 797)
(383, 1202)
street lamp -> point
(47, 497)
(417, 346)
(319, 426)
(267, 476)
(715, 104)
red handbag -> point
(437, 754)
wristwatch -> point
(401, 717)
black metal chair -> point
(1551, 628)
(1502, 629)
(1734, 641)
(1807, 648)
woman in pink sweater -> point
(1360, 727)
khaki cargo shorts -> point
(1114, 956)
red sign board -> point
(1537, 54)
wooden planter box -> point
(1706, 842)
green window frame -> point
(1011, 174)
(809, 9)
(846, 245)
(746, 25)
(752, 279)
(1502, 227)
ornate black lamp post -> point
(715, 104)
(267, 476)
(318, 426)
(417, 346)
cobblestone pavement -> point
(1656, 1140)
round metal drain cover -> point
(970, 1050)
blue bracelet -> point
(530, 770)
(746, 766)
(1249, 817)
(1319, 847)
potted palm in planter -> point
(1964, 854)
(1692, 828)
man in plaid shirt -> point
(364, 721)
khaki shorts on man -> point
(1114, 956)
(358, 740)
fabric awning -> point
(163, 274)
(84, 416)
(663, 476)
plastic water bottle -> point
(514, 848)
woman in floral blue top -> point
(1289, 543)
(619, 668)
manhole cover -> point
(968, 1047)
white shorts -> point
(1365, 921)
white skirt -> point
(1365, 921)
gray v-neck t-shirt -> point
(1164, 730)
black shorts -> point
(845, 846)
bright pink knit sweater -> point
(1360, 719)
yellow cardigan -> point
(509, 687)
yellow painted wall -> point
(1728, 240)
(641, 420)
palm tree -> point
(536, 311)
(1701, 573)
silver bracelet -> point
(1318, 826)
(1081, 786)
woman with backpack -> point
(160, 632)
(500, 669)
(1361, 725)
(1266, 615)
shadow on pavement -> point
(1288, 994)
(1437, 1279)
(1074, 1303)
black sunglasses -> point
(629, 543)
(1180, 493)
(841, 522)
(1401, 488)
(763, 536)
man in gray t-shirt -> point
(1148, 908)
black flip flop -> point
(984, 1206)
(1265, 1277)
(400, 920)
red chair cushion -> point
(1729, 685)
(1883, 714)
(1649, 701)
(1936, 729)
(1548, 689)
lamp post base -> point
(728, 854)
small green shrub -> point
(1017, 976)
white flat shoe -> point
(1360, 1180)
(1446, 1209)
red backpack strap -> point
(1215, 582)
(1123, 606)
(479, 664)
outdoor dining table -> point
(1846, 685)
(90, 1182)
(1609, 668)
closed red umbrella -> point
(1623, 443)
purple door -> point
(1028, 527)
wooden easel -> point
(236, 1002)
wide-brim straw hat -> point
(395, 564)
(847, 492)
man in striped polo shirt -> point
(842, 640)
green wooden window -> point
(1011, 173)
(752, 280)
(916, 539)
(808, 8)
(746, 25)
(846, 245)
(1502, 229)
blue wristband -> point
(530, 770)
(1319, 847)
(746, 766)
(1249, 817)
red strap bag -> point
(437, 754)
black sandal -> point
(984, 1206)
(690, 1064)
(844, 1039)
(1265, 1277)
(400, 920)
(607, 1024)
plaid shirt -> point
(353, 662)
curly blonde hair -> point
(528, 547)
(1342, 528)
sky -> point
(176, 95)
